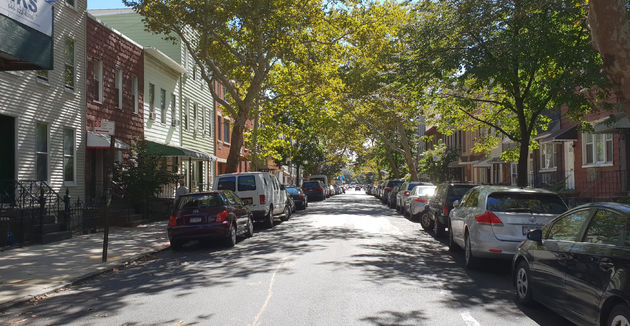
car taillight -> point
(222, 216)
(420, 200)
(406, 193)
(301, 196)
(445, 211)
(172, 220)
(262, 199)
(388, 189)
(488, 218)
(319, 189)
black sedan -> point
(579, 265)
(299, 198)
(209, 215)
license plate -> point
(528, 228)
(195, 220)
(247, 201)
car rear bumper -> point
(494, 249)
(260, 215)
(199, 231)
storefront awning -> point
(559, 135)
(96, 140)
(612, 124)
(158, 149)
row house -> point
(42, 112)
(179, 112)
(224, 126)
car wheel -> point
(619, 316)
(269, 218)
(522, 284)
(176, 245)
(286, 213)
(452, 246)
(426, 222)
(438, 228)
(231, 239)
(250, 227)
(470, 261)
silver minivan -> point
(490, 221)
(261, 191)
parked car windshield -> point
(246, 183)
(525, 202)
(292, 191)
(199, 201)
(227, 183)
(394, 183)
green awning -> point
(158, 149)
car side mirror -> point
(535, 235)
(456, 203)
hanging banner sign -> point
(36, 14)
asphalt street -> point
(346, 261)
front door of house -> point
(7, 159)
(569, 165)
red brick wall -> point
(222, 150)
(116, 52)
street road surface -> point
(346, 261)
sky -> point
(105, 4)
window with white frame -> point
(134, 86)
(173, 110)
(203, 119)
(185, 115)
(162, 105)
(194, 117)
(98, 81)
(119, 84)
(226, 131)
(548, 156)
(151, 101)
(41, 152)
(597, 149)
(68, 155)
(69, 63)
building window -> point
(162, 105)
(69, 63)
(597, 149)
(41, 150)
(68, 155)
(71, 3)
(173, 110)
(98, 81)
(219, 130)
(185, 114)
(226, 131)
(194, 117)
(151, 101)
(134, 86)
(548, 156)
(119, 84)
(42, 75)
(194, 73)
(203, 119)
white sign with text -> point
(37, 14)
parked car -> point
(491, 221)
(388, 185)
(290, 203)
(263, 193)
(404, 192)
(314, 190)
(415, 204)
(441, 204)
(209, 215)
(331, 190)
(578, 264)
(391, 197)
(299, 198)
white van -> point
(261, 191)
(324, 180)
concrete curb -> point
(79, 279)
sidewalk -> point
(35, 270)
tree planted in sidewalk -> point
(502, 65)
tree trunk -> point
(236, 142)
(610, 32)
(413, 170)
(523, 157)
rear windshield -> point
(411, 186)
(199, 201)
(459, 191)
(227, 183)
(292, 191)
(311, 185)
(394, 183)
(525, 202)
(246, 183)
(425, 191)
